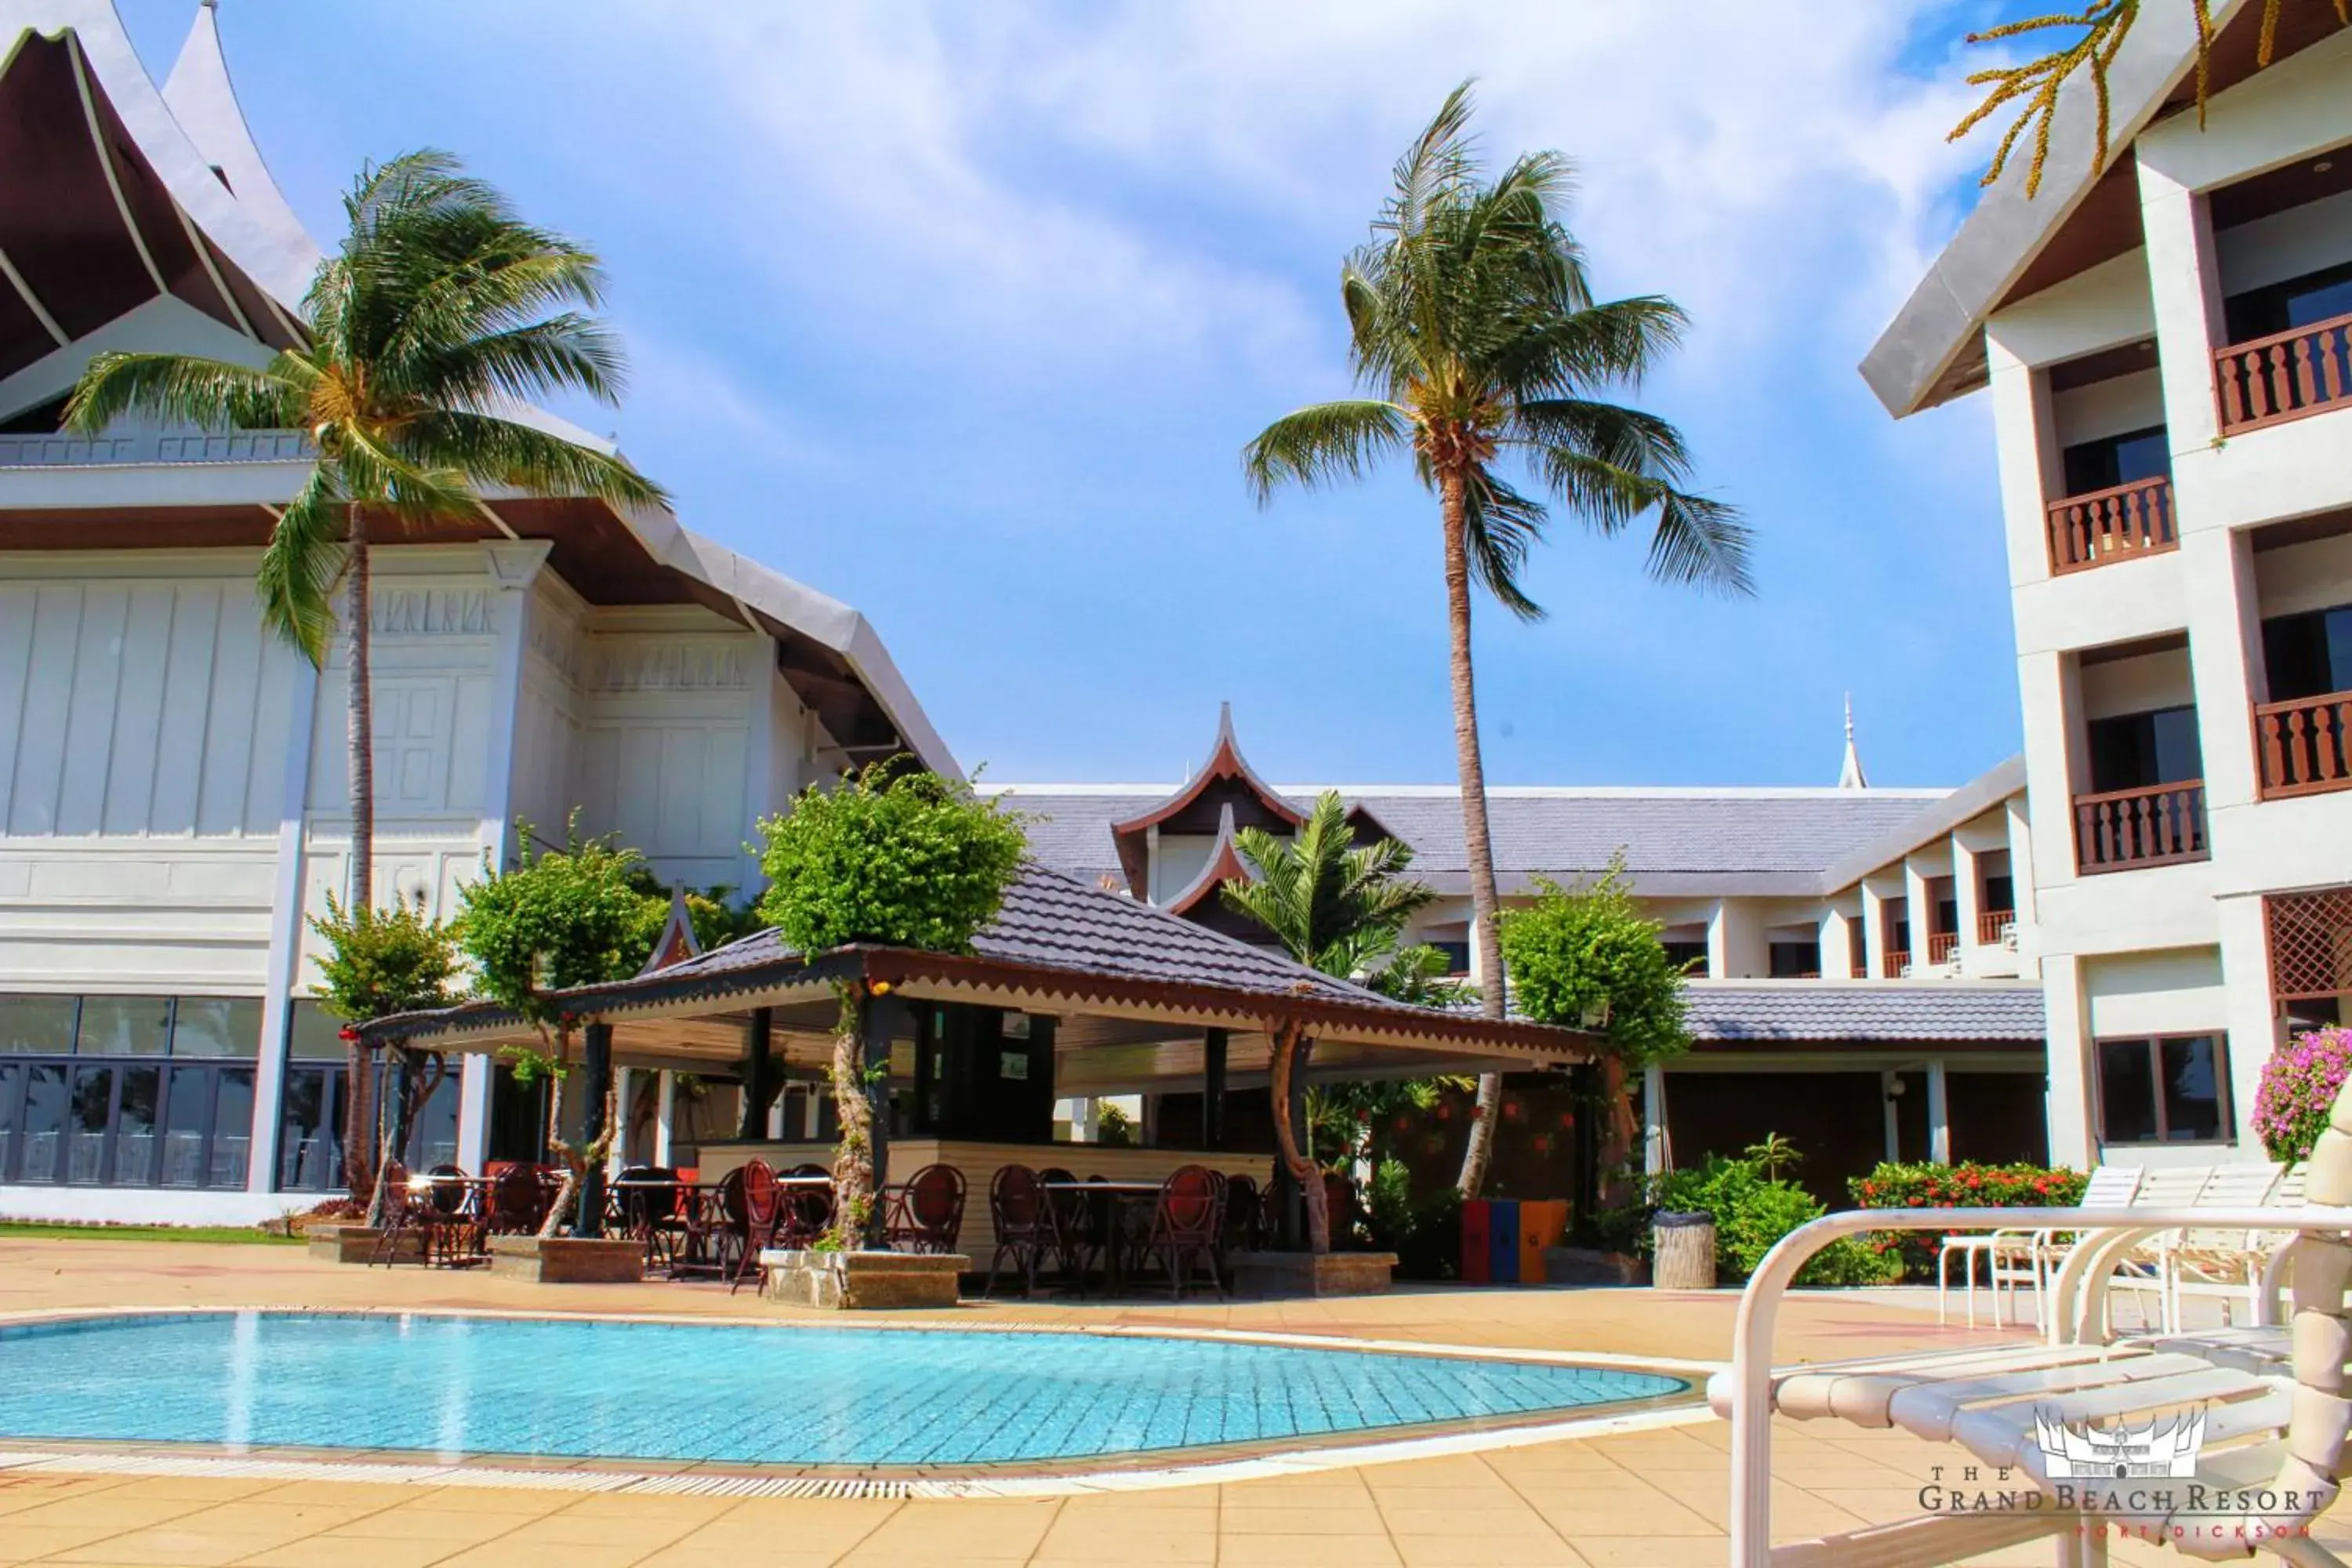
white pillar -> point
(616, 1156)
(812, 1112)
(1968, 889)
(1838, 945)
(1654, 1117)
(2256, 1028)
(285, 928)
(2031, 467)
(1919, 899)
(1939, 1114)
(1873, 932)
(475, 1081)
(514, 565)
(2021, 876)
(2184, 280)
(664, 1097)
(760, 795)
(2072, 1138)
(2225, 661)
(1890, 1084)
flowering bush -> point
(2299, 1087)
(1968, 1185)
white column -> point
(2032, 474)
(1837, 945)
(1737, 945)
(2021, 876)
(285, 928)
(812, 1112)
(760, 795)
(2256, 1028)
(1939, 1114)
(1873, 932)
(2184, 280)
(616, 1157)
(1967, 888)
(2072, 1138)
(1889, 1083)
(475, 1081)
(776, 1118)
(1654, 1117)
(2057, 766)
(666, 1097)
(513, 566)
(2225, 658)
(1920, 901)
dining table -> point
(697, 1244)
(1116, 1198)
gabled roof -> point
(1064, 943)
(1226, 767)
(1946, 1012)
(1224, 866)
(2013, 245)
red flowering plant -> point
(1965, 1185)
(2299, 1086)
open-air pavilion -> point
(1074, 990)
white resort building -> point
(2167, 342)
(171, 791)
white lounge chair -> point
(2013, 1256)
(2228, 1264)
(2147, 1271)
(2274, 1402)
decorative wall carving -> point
(432, 612)
(703, 665)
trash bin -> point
(1684, 1256)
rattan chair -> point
(1022, 1220)
(926, 1214)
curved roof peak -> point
(1224, 866)
(1850, 773)
(1226, 776)
(203, 99)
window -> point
(2169, 1089)
(2000, 893)
(124, 1026)
(1795, 960)
(2113, 460)
(1457, 956)
(216, 1026)
(310, 1129)
(1686, 955)
(38, 1025)
(2138, 751)
(2308, 655)
(2302, 301)
(315, 1034)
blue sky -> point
(964, 313)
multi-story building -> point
(1861, 960)
(173, 801)
(2168, 343)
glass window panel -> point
(2178, 758)
(2192, 1089)
(232, 1127)
(12, 1094)
(433, 1137)
(38, 1025)
(2126, 1092)
(125, 1026)
(2142, 455)
(136, 1142)
(309, 1152)
(187, 1116)
(2321, 298)
(216, 1026)
(44, 1122)
(86, 1123)
(315, 1034)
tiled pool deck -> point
(1653, 1497)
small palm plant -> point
(1476, 340)
(441, 314)
(1337, 906)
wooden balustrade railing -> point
(1994, 927)
(2157, 826)
(1862, 969)
(1942, 946)
(2307, 370)
(1897, 961)
(2305, 747)
(2122, 522)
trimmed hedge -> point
(1966, 1185)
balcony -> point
(58, 450)
(2305, 747)
(1943, 946)
(2122, 522)
(1895, 963)
(1996, 927)
(2289, 374)
(2159, 824)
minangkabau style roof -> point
(1058, 946)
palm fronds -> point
(1330, 901)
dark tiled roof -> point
(1803, 1011)
(1564, 836)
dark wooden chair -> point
(1076, 1238)
(1023, 1219)
(804, 1213)
(649, 1212)
(1184, 1226)
(403, 1213)
(929, 1214)
(716, 1231)
(452, 1222)
(1244, 1226)
(761, 1219)
(517, 1202)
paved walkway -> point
(1647, 1499)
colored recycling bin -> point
(1503, 1241)
(1477, 1214)
(1543, 1221)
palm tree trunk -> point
(1291, 1049)
(359, 1107)
(1477, 846)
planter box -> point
(356, 1244)
(1305, 1274)
(1589, 1266)
(569, 1260)
(862, 1281)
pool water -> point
(733, 1393)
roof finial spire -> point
(1850, 773)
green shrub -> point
(1966, 1185)
(1424, 1231)
(1752, 1211)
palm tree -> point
(1474, 335)
(442, 313)
(1336, 906)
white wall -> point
(2300, 240)
(2137, 685)
(2112, 408)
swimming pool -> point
(735, 1393)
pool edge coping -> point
(71, 1457)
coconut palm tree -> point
(1337, 906)
(1475, 338)
(440, 317)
